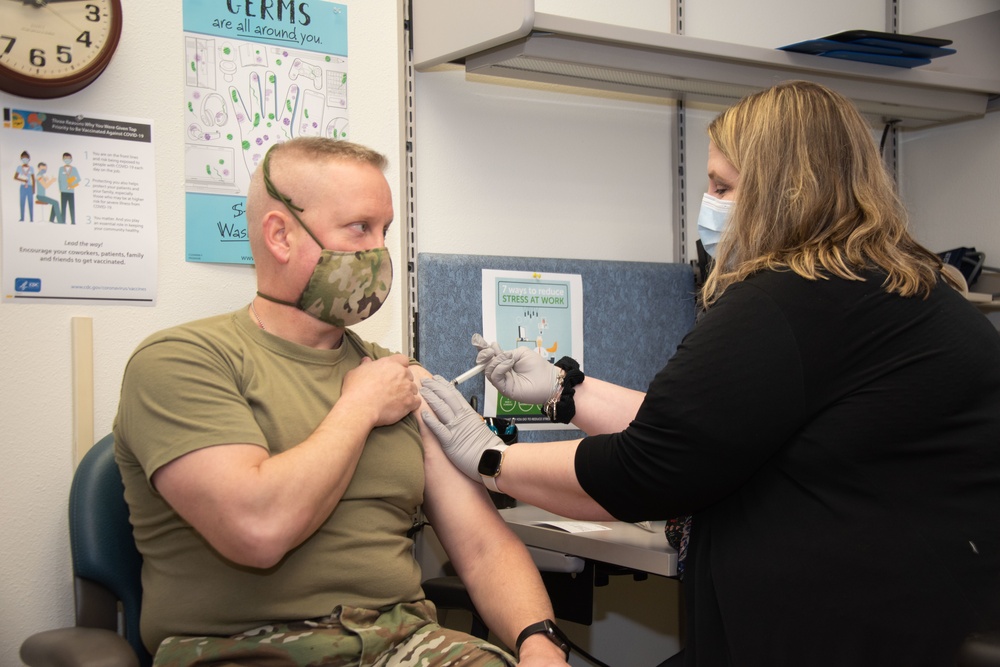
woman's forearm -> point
(543, 474)
(602, 407)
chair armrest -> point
(450, 593)
(77, 647)
(980, 650)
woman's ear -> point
(274, 228)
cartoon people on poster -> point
(43, 181)
(25, 176)
(36, 184)
(69, 180)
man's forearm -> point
(508, 592)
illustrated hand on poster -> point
(265, 121)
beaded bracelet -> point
(561, 407)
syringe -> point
(469, 374)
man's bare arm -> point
(494, 564)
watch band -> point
(547, 627)
(490, 483)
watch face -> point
(489, 462)
(557, 636)
(56, 44)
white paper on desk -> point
(572, 526)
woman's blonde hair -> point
(813, 196)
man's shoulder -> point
(205, 325)
(214, 331)
(369, 348)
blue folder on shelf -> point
(881, 48)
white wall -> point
(145, 80)
(919, 15)
(774, 23)
(523, 170)
(949, 183)
(949, 174)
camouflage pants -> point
(402, 636)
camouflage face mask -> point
(348, 287)
(345, 287)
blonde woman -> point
(825, 441)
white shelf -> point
(509, 39)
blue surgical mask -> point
(712, 220)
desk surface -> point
(625, 544)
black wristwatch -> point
(550, 630)
(490, 462)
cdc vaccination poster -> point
(79, 214)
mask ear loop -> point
(277, 194)
(265, 170)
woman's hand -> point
(463, 434)
(520, 374)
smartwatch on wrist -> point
(490, 462)
(549, 629)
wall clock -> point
(52, 48)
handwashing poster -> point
(542, 312)
(79, 214)
(256, 73)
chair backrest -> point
(106, 564)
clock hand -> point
(42, 3)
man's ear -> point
(274, 228)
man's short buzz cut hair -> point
(337, 149)
(308, 150)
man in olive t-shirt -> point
(274, 465)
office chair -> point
(107, 573)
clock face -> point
(51, 48)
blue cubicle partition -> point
(634, 316)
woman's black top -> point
(839, 450)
